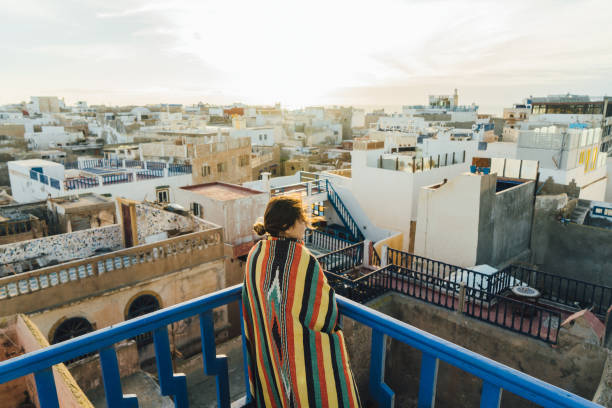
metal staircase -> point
(343, 213)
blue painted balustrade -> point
(496, 377)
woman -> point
(295, 352)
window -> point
(163, 194)
(196, 209)
(244, 160)
(205, 170)
(220, 167)
(318, 209)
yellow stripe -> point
(332, 393)
(325, 290)
(298, 333)
(254, 308)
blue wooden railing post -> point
(491, 395)
(249, 396)
(213, 364)
(427, 381)
(380, 391)
(45, 388)
(169, 383)
(112, 381)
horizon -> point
(346, 53)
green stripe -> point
(340, 367)
(315, 368)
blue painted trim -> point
(112, 381)
(214, 364)
(519, 383)
(495, 375)
(45, 388)
(170, 384)
(380, 391)
(490, 396)
(249, 396)
(427, 381)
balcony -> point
(495, 376)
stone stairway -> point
(580, 212)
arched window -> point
(71, 328)
(142, 305)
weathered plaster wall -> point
(111, 306)
(12, 393)
(512, 218)
(68, 392)
(571, 250)
(572, 364)
(63, 247)
(152, 221)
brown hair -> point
(281, 214)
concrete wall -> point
(63, 247)
(110, 307)
(465, 222)
(153, 221)
(236, 216)
(68, 392)
(572, 250)
(512, 218)
(448, 221)
(608, 195)
(398, 189)
(573, 364)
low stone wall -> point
(63, 247)
(68, 392)
(572, 364)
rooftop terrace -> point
(221, 191)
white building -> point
(35, 180)
(51, 136)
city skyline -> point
(308, 54)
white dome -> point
(140, 111)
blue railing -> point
(149, 174)
(495, 376)
(117, 178)
(343, 212)
(176, 169)
(81, 182)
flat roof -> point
(222, 191)
(81, 201)
(36, 163)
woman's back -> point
(296, 356)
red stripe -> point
(262, 375)
(317, 305)
(293, 272)
(322, 382)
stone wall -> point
(588, 247)
(68, 392)
(12, 393)
(152, 221)
(63, 247)
(572, 364)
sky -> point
(375, 53)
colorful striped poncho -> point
(296, 355)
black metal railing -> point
(325, 241)
(440, 270)
(343, 260)
(573, 293)
(526, 318)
